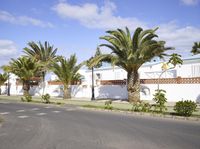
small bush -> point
(185, 108)
(146, 107)
(108, 105)
(59, 103)
(27, 98)
(160, 99)
(141, 107)
(23, 99)
(137, 107)
(46, 98)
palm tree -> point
(67, 71)
(196, 48)
(3, 79)
(25, 68)
(44, 54)
(130, 52)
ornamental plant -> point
(27, 98)
(108, 105)
(46, 98)
(160, 99)
(185, 108)
(141, 107)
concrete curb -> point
(173, 117)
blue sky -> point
(74, 26)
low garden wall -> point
(176, 89)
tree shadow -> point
(145, 90)
(117, 92)
(34, 90)
(114, 92)
(75, 89)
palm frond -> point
(130, 53)
(67, 69)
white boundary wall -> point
(174, 92)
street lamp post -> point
(93, 97)
(8, 92)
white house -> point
(150, 70)
(187, 87)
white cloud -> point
(92, 16)
(190, 2)
(8, 50)
(182, 38)
(22, 20)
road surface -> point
(34, 126)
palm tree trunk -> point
(26, 87)
(67, 92)
(0, 90)
(133, 86)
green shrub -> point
(59, 103)
(160, 99)
(137, 107)
(108, 105)
(185, 108)
(141, 107)
(146, 107)
(27, 98)
(23, 99)
(46, 98)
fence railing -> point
(177, 80)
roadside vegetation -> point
(128, 51)
(108, 104)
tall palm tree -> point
(25, 68)
(130, 52)
(3, 79)
(196, 48)
(44, 54)
(67, 71)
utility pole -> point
(8, 92)
(93, 97)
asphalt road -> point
(31, 126)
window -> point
(195, 70)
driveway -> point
(34, 126)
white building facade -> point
(186, 89)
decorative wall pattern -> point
(177, 80)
